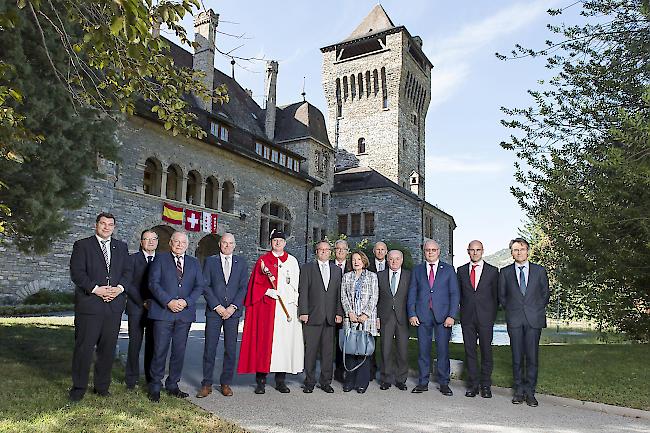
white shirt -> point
(435, 268)
(147, 255)
(478, 270)
(380, 265)
(324, 268)
(108, 246)
(526, 269)
(223, 266)
(397, 277)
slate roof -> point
(376, 21)
(300, 120)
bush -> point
(29, 310)
(45, 296)
(392, 245)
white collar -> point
(100, 240)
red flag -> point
(209, 223)
(192, 220)
(172, 214)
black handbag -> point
(356, 342)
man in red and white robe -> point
(270, 342)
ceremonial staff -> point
(271, 278)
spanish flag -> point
(172, 214)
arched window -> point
(339, 105)
(274, 216)
(174, 185)
(384, 89)
(228, 197)
(211, 192)
(367, 83)
(164, 233)
(375, 81)
(208, 246)
(353, 87)
(345, 88)
(152, 176)
(360, 80)
(193, 194)
(361, 145)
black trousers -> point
(280, 377)
(473, 330)
(524, 344)
(94, 334)
(394, 351)
(139, 326)
(340, 370)
(359, 378)
(318, 338)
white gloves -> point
(272, 293)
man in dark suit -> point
(432, 305)
(524, 293)
(391, 310)
(99, 268)
(319, 309)
(226, 279)
(138, 300)
(341, 261)
(478, 283)
(176, 282)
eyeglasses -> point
(519, 250)
(431, 250)
(149, 239)
(323, 249)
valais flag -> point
(209, 223)
(192, 220)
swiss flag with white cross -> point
(192, 220)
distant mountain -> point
(499, 259)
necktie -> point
(105, 251)
(432, 276)
(226, 270)
(323, 273)
(149, 259)
(522, 280)
(340, 265)
(380, 267)
(393, 283)
(179, 267)
(472, 276)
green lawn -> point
(615, 374)
(35, 362)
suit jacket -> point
(165, 286)
(368, 302)
(321, 305)
(444, 296)
(217, 292)
(138, 290)
(88, 269)
(520, 309)
(387, 302)
(372, 267)
(480, 304)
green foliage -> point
(584, 164)
(45, 296)
(392, 245)
(28, 310)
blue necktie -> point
(522, 280)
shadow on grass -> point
(36, 361)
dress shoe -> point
(531, 400)
(472, 392)
(420, 389)
(327, 388)
(76, 395)
(401, 386)
(282, 387)
(103, 393)
(176, 392)
(308, 389)
(486, 392)
(361, 390)
(205, 391)
(154, 397)
(260, 388)
(445, 390)
(384, 386)
(517, 399)
(347, 388)
(226, 391)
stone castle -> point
(261, 168)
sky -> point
(468, 175)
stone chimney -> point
(205, 30)
(269, 96)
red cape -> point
(257, 339)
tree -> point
(94, 59)
(584, 170)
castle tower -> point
(377, 83)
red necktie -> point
(472, 276)
(432, 278)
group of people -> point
(296, 315)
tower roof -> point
(377, 20)
(300, 120)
